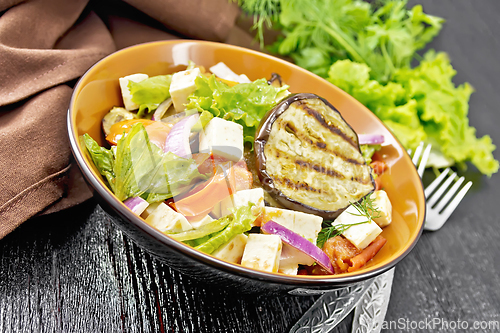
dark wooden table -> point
(74, 271)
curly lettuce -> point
(150, 93)
(244, 103)
(422, 104)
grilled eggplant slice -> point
(308, 158)
(115, 115)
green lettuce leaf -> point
(239, 222)
(203, 231)
(139, 168)
(150, 93)
(244, 103)
(368, 151)
(205, 117)
(422, 104)
(103, 158)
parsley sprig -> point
(365, 208)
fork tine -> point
(450, 194)
(454, 203)
(432, 186)
(423, 161)
(418, 151)
(440, 219)
(440, 190)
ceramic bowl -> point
(98, 91)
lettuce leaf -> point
(244, 103)
(103, 158)
(203, 231)
(368, 151)
(239, 222)
(422, 104)
(139, 168)
(150, 93)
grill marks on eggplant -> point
(290, 128)
(313, 113)
(312, 156)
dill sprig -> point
(264, 13)
(365, 208)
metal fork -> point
(438, 198)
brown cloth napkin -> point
(45, 45)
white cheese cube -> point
(216, 212)
(242, 198)
(150, 209)
(222, 71)
(166, 219)
(383, 204)
(126, 96)
(222, 137)
(232, 251)
(290, 269)
(182, 85)
(361, 235)
(306, 225)
(244, 79)
(201, 222)
(262, 252)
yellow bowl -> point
(98, 91)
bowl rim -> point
(235, 269)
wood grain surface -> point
(74, 271)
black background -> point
(74, 271)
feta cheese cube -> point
(242, 198)
(216, 212)
(201, 222)
(306, 225)
(166, 219)
(244, 79)
(222, 71)
(222, 137)
(289, 269)
(361, 235)
(382, 202)
(232, 251)
(150, 209)
(182, 85)
(126, 95)
(262, 252)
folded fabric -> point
(45, 46)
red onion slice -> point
(370, 139)
(161, 109)
(136, 204)
(178, 139)
(300, 243)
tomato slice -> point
(202, 199)
(243, 176)
(157, 131)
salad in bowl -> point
(245, 171)
(241, 169)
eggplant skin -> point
(308, 157)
